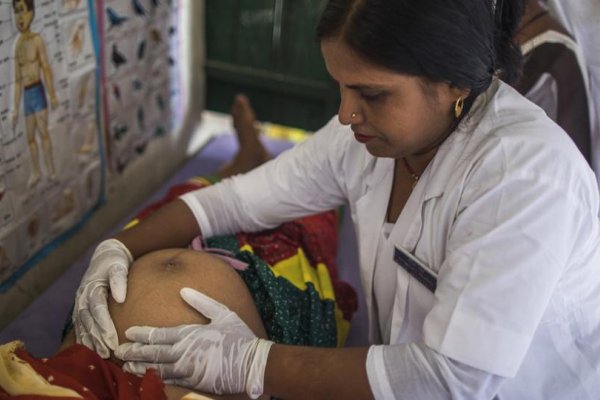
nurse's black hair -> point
(463, 42)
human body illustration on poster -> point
(84, 86)
(50, 165)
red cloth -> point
(82, 370)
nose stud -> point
(353, 115)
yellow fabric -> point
(325, 279)
(200, 180)
(131, 223)
(343, 327)
(294, 135)
(17, 377)
(299, 272)
(194, 396)
(247, 248)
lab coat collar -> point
(371, 209)
(376, 170)
(370, 213)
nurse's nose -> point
(349, 111)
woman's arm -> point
(306, 180)
(173, 225)
(295, 372)
(301, 182)
(411, 371)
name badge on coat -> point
(416, 268)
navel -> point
(173, 263)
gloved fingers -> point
(145, 334)
(205, 305)
(166, 372)
(82, 336)
(151, 335)
(117, 278)
(89, 335)
(103, 322)
(148, 353)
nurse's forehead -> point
(347, 68)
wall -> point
(267, 49)
(126, 191)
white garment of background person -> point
(582, 19)
(558, 82)
(544, 92)
(505, 214)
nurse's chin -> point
(381, 150)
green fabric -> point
(212, 178)
(290, 315)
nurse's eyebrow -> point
(364, 87)
(359, 87)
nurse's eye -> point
(371, 95)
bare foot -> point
(251, 152)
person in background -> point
(581, 18)
(555, 76)
(476, 219)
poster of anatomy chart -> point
(140, 56)
(50, 164)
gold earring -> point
(458, 107)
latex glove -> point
(222, 357)
(93, 326)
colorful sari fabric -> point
(74, 373)
(291, 274)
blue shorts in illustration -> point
(34, 99)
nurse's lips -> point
(362, 138)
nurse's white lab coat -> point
(505, 215)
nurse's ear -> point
(455, 92)
(451, 97)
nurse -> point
(476, 219)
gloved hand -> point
(222, 357)
(93, 326)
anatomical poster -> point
(140, 56)
(50, 157)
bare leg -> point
(30, 125)
(251, 153)
(42, 124)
